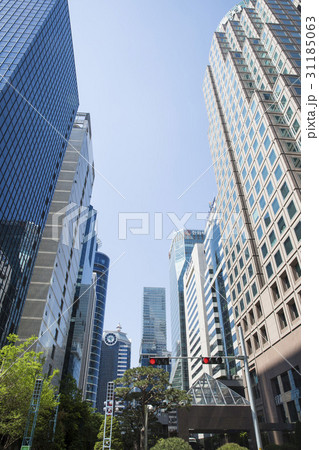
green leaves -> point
(20, 365)
(143, 386)
(174, 443)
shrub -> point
(232, 446)
(172, 444)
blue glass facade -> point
(38, 103)
(115, 360)
(101, 268)
(154, 324)
(179, 255)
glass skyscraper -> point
(179, 256)
(38, 103)
(101, 269)
(115, 360)
(154, 324)
(252, 92)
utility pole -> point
(32, 415)
(109, 406)
(250, 391)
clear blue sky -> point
(140, 67)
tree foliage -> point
(232, 446)
(116, 441)
(19, 368)
(78, 424)
(142, 386)
(174, 443)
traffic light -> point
(212, 360)
(159, 361)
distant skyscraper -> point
(83, 311)
(179, 255)
(154, 324)
(219, 310)
(252, 92)
(38, 103)
(115, 360)
(101, 268)
(48, 306)
(195, 315)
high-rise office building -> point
(80, 334)
(154, 341)
(38, 103)
(221, 324)
(195, 314)
(252, 92)
(115, 360)
(48, 306)
(101, 269)
(179, 256)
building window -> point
(256, 341)
(272, 157)
(267, 219)
(263, 333)
(270, 188)
(278, 258)
(298, 231)
(285, 281)
(250, 270)
(262, 128)
(278, 172)
(264, 250)
(275, 206)
(272, 238)
(285, 382)
(284, 190)
(259, 232)
(269, 270)
(291, 209)
(293, 310)
(262, 202)
(254, 289)
(258, 310)
(264, 173)
(296, 269)
(251, 317)
(275, 292)
(249, 347)
(247, 297)
(245, 323)
(282, 319)
(281, 225)
(288, 246)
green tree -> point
(20, 366)
(142, 386)
(116, 442)
(78, 424)
(174, 443)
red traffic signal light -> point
(212, 360)
(159, 361)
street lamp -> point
(147, 409)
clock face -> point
(110, 339)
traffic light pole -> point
(243, 358)
(250, 391)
